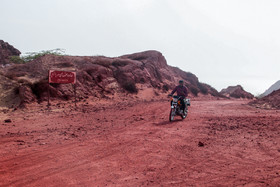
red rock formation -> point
(102, 76)
(236, 92)
(271, 101)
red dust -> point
(132, 144)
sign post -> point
(48, 95)
(75, 95)
(62, 77)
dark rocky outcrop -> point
(236, 92)
(274, 87)
(271, 101)
(6, 51)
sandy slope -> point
(133, 144)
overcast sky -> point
(223, 42)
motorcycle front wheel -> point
(185, 114)
(172, 114)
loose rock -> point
(200, 144)
(8, 121)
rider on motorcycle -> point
(181, 91)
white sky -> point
(223, 42)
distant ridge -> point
(271, 101)
(274, 87)
(236, 92)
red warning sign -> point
(62, 77)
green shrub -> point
(194, 91)
(165, 88)
(34, 55)
(130, 87)
(117, 63)
(17, 60)
(203, 88)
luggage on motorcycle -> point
(188, 102)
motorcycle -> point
(176, 106)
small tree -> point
(34, 55)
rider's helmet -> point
(181, 82)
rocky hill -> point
(274, 87)
(236, 92)
(6, 51)
(97, 76)
(271, 101)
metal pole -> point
(48, 90)
(75, 89)
(75, 93)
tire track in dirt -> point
(138, 146)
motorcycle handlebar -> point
(175, 96)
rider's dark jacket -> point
(181, 91)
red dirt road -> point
(124, 145)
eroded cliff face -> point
(98, 76)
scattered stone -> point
(20, 142)
(8, 121)
(200, 144)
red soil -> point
(133, 144)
